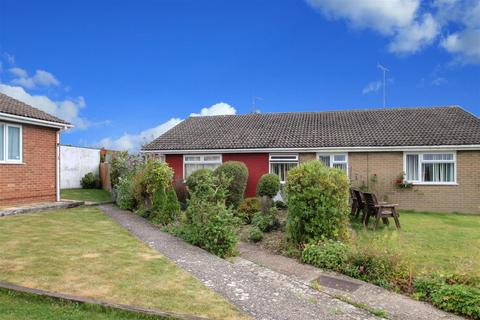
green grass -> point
(83, 252)
(95, 195)
(433, 241)
(14, 305)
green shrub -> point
(198, 178)
(118, 168)
(268, 186)
(125, 198)
(459, 299)
(317, 199)
(332, 255)
(279, 204)
(208, 222)
(90, 181)
(267, 221)
(237, 172)
(247, 209)
(256, 234)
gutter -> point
(38, 122)
(322, 149)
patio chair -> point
(353, 202)
(379, 210)
(360, 202)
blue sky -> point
(125, 71)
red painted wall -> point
(175, 161)
(257, 164)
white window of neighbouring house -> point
(280, 164)
(10, 143)
(195, 162)
(335, 160)
(430, 168)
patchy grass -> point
(94, 195)
(433, 241)
(14, 305)
(83, 252)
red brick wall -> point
(35, 179)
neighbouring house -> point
(29, 168)
(425, 158)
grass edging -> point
(102, 304)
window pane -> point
(281, 169)
(2, 128)
(339, 157)
(192, 167)
(192, 158)
(438, 156)
(325, 160)
(342, 166)
(438, 172)
(412, 167)
(211, 158)
(13, 143)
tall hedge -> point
(237, 172)
(317, 198)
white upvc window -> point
(430, 167)
(10, 143)
(334, 160)
(194, 162)
(280, 164)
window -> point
(280, 164)
(10, 143)
(430, 168)
(335, 160)
(193, 163)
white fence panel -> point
(75, 162)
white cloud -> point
(10, 58)
(373, 86)
(412, 25)
(382, 16)
(416, 36)
(220, 108)
(40, 78)
(133, 142)
(438, 81)
(67, 109)
(464, 45)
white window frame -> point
(420, 161)
(201, 161)
(288, 158)
(5, 144)
(332, 159)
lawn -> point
(94, 195)
(83, 252)
(15, 305)
(434, 241)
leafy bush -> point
(317, 199)
(118, 168)
(386, 269)
(256, 234)
(125, 198)
(208, 222)
(267, 221)
(247, 209)
(180, 190)
(458, 298)
(198, 178)
(90, 181)
(268, 186)
(332, 255)
(237, 172)
(279, 204)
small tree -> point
(267, 188)
(237, 172)
(317, 198)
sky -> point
(123, 72)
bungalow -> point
(425, 158)
(28, 153)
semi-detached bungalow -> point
(436, 149)
(29, 169)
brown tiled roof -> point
(15, 107)
(424, 126)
